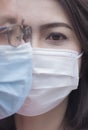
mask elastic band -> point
(80, 55)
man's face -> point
(8, 17)
(8, 12)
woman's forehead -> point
(41, 11)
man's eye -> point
(56, 36)
(5, 31)
(8, 34)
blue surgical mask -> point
(15, 77)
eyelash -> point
(56, 36)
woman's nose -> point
(35, 45)
(35, 42)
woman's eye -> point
(56, 36)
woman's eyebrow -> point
(53, 25)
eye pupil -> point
(55, 37)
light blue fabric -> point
(15, 77)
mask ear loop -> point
(80, 55)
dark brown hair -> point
(77, 110)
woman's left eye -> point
(56, 36)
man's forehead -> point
(7, 3)
(8, 6)
(8, 11)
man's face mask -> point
(15, 69)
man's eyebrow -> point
(11, 20)
(53, 25)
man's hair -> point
(77, 110)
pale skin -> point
(37, 14)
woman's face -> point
(50, 26)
